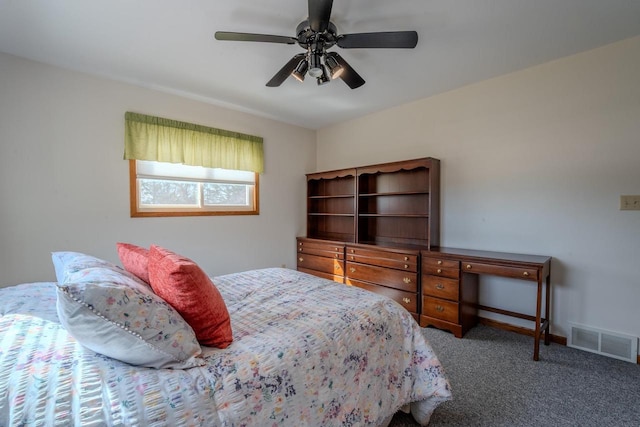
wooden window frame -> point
(136, 213)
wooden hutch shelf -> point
(331, 205)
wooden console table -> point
(450, 288)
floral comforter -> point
(306, 352)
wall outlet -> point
(630, 203)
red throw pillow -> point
(183, 284)
(135, 260)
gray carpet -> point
(495, 383)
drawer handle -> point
(439, 262)
(406, 258)
(336, 267)
(525, 274)
(406, 280)
(439, 270)
(300, 249)
(352, 257)
(300, 259)
(406, 266)
(439, 308)
(406, 300)
(352, 269)
(353, 251)
(468, 266)
(440, 286)
(336, 249)
(337, 255)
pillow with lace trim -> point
(112, 312)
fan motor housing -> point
(307, 37)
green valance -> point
(171, 141)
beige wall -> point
(64, 185)
(532, 162)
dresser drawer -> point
(328, 250)
(320, 263)
(403, 280)
(440, 287)
(406, 299)
(499, 270)
(337, 254)
(400, 261)
(453, 273)
(428, 261)
(440, 309)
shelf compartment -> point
(398, 215)
(331, 227)
(393, 230)
(396, 193)
(335, 196)
(400, 182)
(333, 205)
(329, 214)
(340, 186)
(331, 235)
(415, 204)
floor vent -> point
(606, 343)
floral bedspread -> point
(306, 352)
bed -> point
(305, 352)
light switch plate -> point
(630, 203)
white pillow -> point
(111, 312)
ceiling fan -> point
(316, 35)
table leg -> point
(547, 337)
(536, 344)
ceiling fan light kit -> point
(331, 62)
(301, 70)
(316, 35)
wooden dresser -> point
(390, 272)
(321, 258)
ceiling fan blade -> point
(285, 71)
(348, 75)
(319, 14)
(248, 37)
(389, 39)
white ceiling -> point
(169, 45)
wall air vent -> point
(607, 343)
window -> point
(171, 189)
(181, 169)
